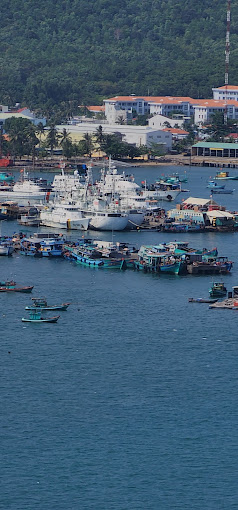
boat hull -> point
(61, 308)
(81, 224)
(105, 222)
(40, 320)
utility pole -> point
(227, 56)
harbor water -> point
(130, 400)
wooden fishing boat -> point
(13, 288)
(35, 316)
(201, 300)
(41, 304)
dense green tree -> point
(22, 136)
(4, 144)
(79, 52)
(217, 129)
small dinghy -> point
(201, 300)
(41, 304)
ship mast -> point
(227, 56)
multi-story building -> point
(226, 92)
(205, 108)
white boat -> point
(6, 248)
(112, 182)
(67, 183)
(64, 215)
(25, 192)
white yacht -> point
(64, 215)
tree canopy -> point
(75, 52)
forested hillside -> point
(85, 50)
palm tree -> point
(52, 138)
(99, 137)
(65, 136)
(40, 129)
(88, 143)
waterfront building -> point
(135, 135)
(215, 149)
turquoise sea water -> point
(130, 400)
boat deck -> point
(226, 303)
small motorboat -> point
(223, 191)
(13, 288)
(35, 316)
(217, 290)
(213, 184)
(41, 304)
(201, 300)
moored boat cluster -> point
(172, 258)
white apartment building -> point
(136, 135)
(124, 106)
(226, 92)
(207, 107)
(162, 105)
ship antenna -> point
(227, 57)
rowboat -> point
(201, 300)
(41, 304)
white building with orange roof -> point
(226, 92)
(205, 108)
(125, 105)
(162, 105)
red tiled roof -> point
(176, 131)
(228, 87)
(215, 103)
(152, 99)
(21, 109)
(232, 135)
(96, 108)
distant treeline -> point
(70, 52)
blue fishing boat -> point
(92, 258)
(213, 184)
(217, 290)
(41, 304)
(11, 287)
(35, 316)
(222, 191)
(43, 245)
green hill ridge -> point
(84, 51)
